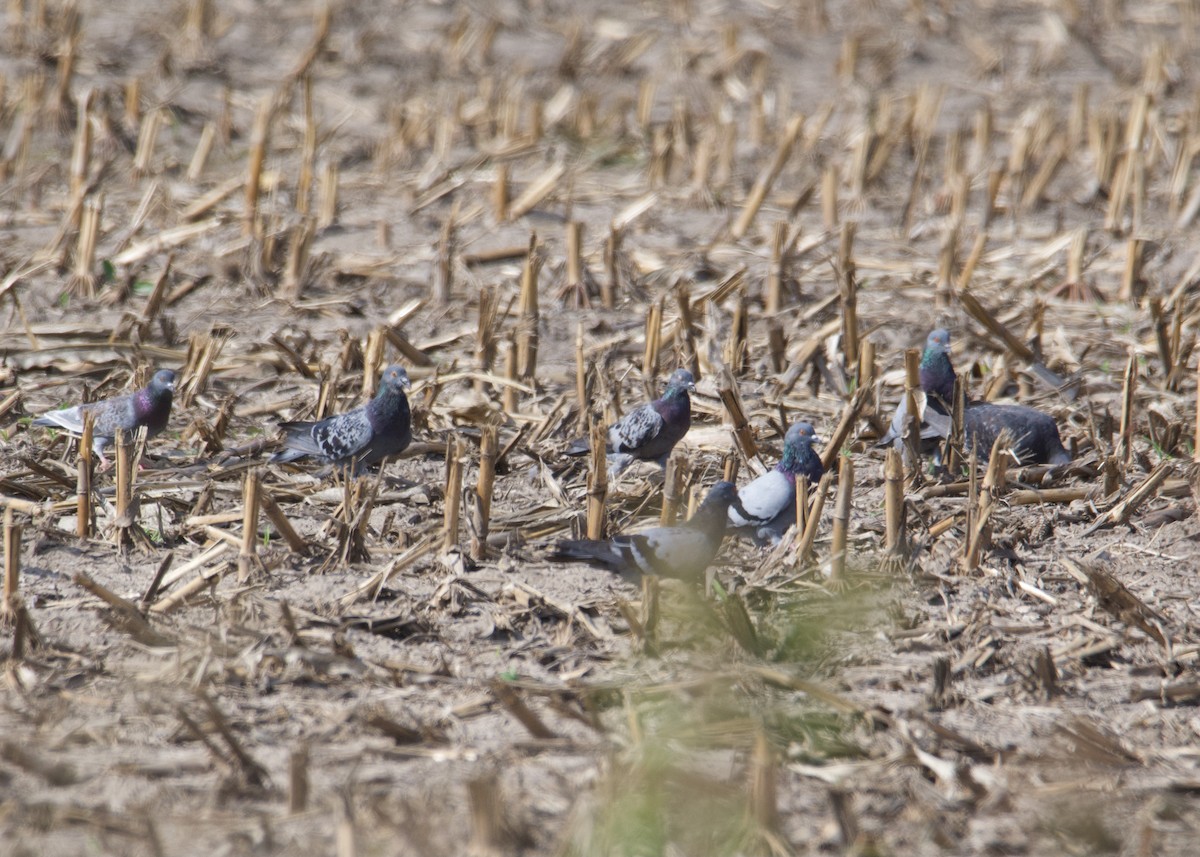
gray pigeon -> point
(149, 407)
(770, 500)
(366, 435)
(683, 551)
(1035, 435)
(937, 382)
(650, 432)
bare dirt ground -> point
(375, 693)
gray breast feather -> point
(764, 499)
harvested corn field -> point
(539, 211)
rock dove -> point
(149, 407)
(1035, 435)
(683, 551)
(650, 432)
(769, 502)
(362, 437)
(937, 382)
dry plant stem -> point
(575, 254)
(776, 273)
(673, 478)
(742, 432)
(500, 193)
(508, 395)
(611, 283)
(1128, 393)
(81, 152)
(653, 340)
(298, 779)
(527, 327)
(802, 505)
(845, 426)
(1125, 509)
(12, 563)
(764, 776)
(203, 149)
(912, 383)
(453, 495)
(443, 270)
(249, 546)
(841, 519)
(766, 180)
(848, 294)
(597, 482)
(893, 501)
(259, 135)
(147, 140)
(156, 582)
(83, 491)
(327, 195)
(979, 538)
(866, 364)
(809, 537)
(488, 835)
(83, 278)
(482, 506)
(984, 317)
(687, 333)
(125, 465)
(580, 379)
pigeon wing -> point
(335, 439)
(635, 429)
(669, 551)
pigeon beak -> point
(691, 388)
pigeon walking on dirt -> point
(650, 432)
(683, 551)
(1035, 435)
(362, 437)
(769, 502)
(149, 407)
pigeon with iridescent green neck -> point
(1035, 435)
(149, 407)
(362, 437)
(769, 502)
(650, 432)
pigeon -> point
(770, 499)
(937, 382)
(149, 407)
(650, 432)
(362, 437)
(1035, 435)
(683, 551)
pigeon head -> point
(800, 433)
(681, 381)
(937, 373)
(395, 378)
(163, 381)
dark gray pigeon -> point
(366, 435)
(769, 502)
(650, 432)
(149, 407)
(683, 551)
(1035, 435)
